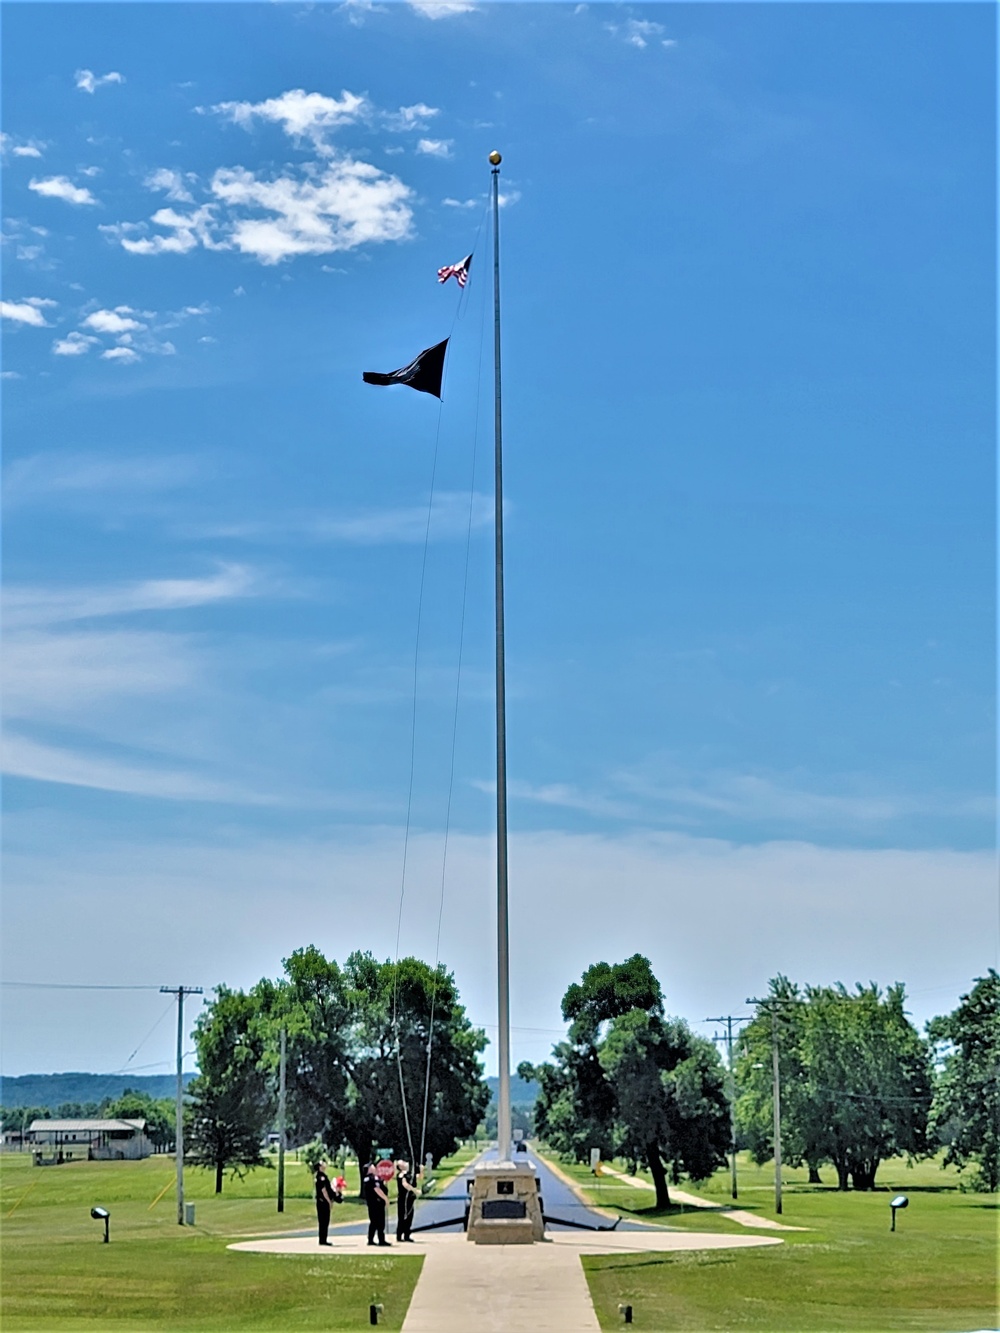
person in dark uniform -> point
(406, 1200)
(376, 1199)
(324, 1198)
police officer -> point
(376, 1199)
(406, 1199)
(324, 1198)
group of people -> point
(376, 1196)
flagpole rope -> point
(458, 313)
(454, 727)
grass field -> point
(937, 1272)
(56, 1274)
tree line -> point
(158, 1113)
(858, 1082)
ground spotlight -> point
(900, 1201)
(102, 1215)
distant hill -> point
(54, 1089)
(522, 1093)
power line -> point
(69, 985)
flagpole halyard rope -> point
(413, 734)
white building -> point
(54, 1141)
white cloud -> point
(450, 519)
(123, 354)
(28, 606)
(60, 187)
(25, 312)
(460, 203)
(413, 117)
(20, 148)
(74, 344)
(26, 758)
(441, 9)
(505, 199)
(346, 205)
(300, 114)
(742, 914)
(87, 81)
(113, 321)
(187, 231)
(53, 473)
(172, 183)
(637, 32)
(54, 676)
(435, 147)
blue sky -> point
(749, 352)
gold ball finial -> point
(495, 158)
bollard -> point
(626, 1312)
(373, 1313)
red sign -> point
(385, 1170)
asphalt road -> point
(558, 1202)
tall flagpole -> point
(503, 951)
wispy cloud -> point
(26, 758)
(88, 82)
(449, 519)
(413, 117)
(441, 9)
(35, 606)
(639, 32)
(54, 475)
(172, 183)
(61, 187)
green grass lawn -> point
(937, 1272)
(56, 1273)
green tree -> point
(231, 1103)
(158, 1113)
(631, 1082)
(361, 1036)
(966, 1110)
(856, 1079)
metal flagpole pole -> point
(503, 952)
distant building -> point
(55, 1141)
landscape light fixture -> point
(900, 1201)
(102, 1215)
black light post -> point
(900, 1201)
(102, 1215)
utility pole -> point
(281, 1125)
(180, 992)
(729, 1020)
(772, 1004)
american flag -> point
(459, 271)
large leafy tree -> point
(412, 1046)
(632, 1082)
(966, 1111)
(231, 1103)
(856, 1079)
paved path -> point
(740, 1215)
(507, 1288)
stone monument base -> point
(505, 1207)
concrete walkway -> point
(506, 1288)
(740, 1215)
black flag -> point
(423, 373)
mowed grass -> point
(937, 1272)
(56, 1274)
